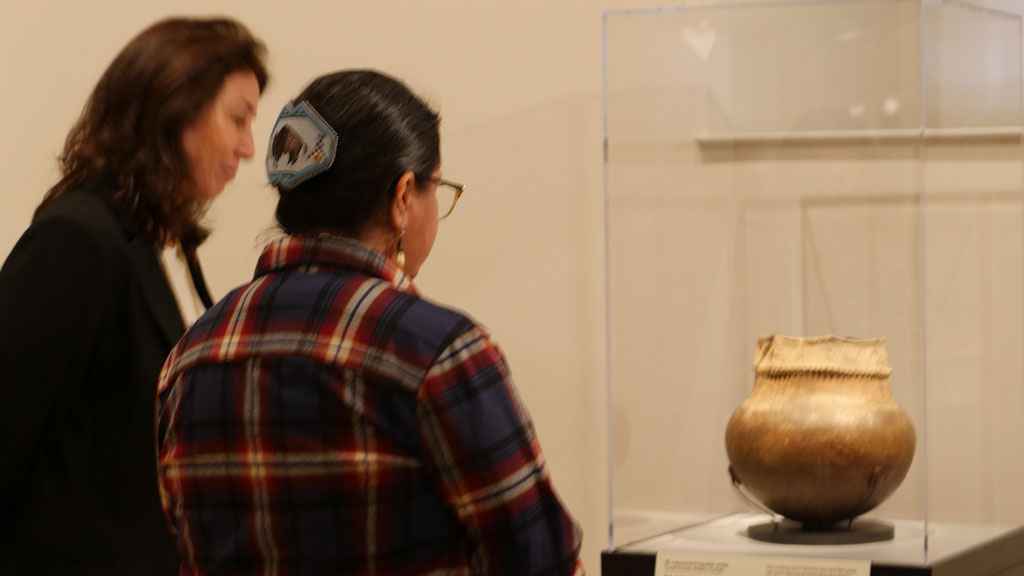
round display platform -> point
(790, 532)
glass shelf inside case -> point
(823, 172)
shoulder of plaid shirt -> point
(427, 460)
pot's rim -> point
(779, 353)
(821, 339)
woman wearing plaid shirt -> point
(325, 418)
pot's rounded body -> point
(820, 438)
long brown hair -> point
(130, 129)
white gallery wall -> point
(519, 87)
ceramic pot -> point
(820, 438)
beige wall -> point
(519, 87)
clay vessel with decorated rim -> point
(820, 439)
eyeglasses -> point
(448, 194)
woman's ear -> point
(400, 201)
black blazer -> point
(86, 320)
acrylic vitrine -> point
(808, 168)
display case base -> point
(953, 549)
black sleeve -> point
(54, 291)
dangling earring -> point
(400, 256)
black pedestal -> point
(790, 532)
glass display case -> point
(849, 168)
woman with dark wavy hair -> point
(100, 287)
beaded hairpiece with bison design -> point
(302, 145)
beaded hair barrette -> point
(302, 145)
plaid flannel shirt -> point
(325, 419)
